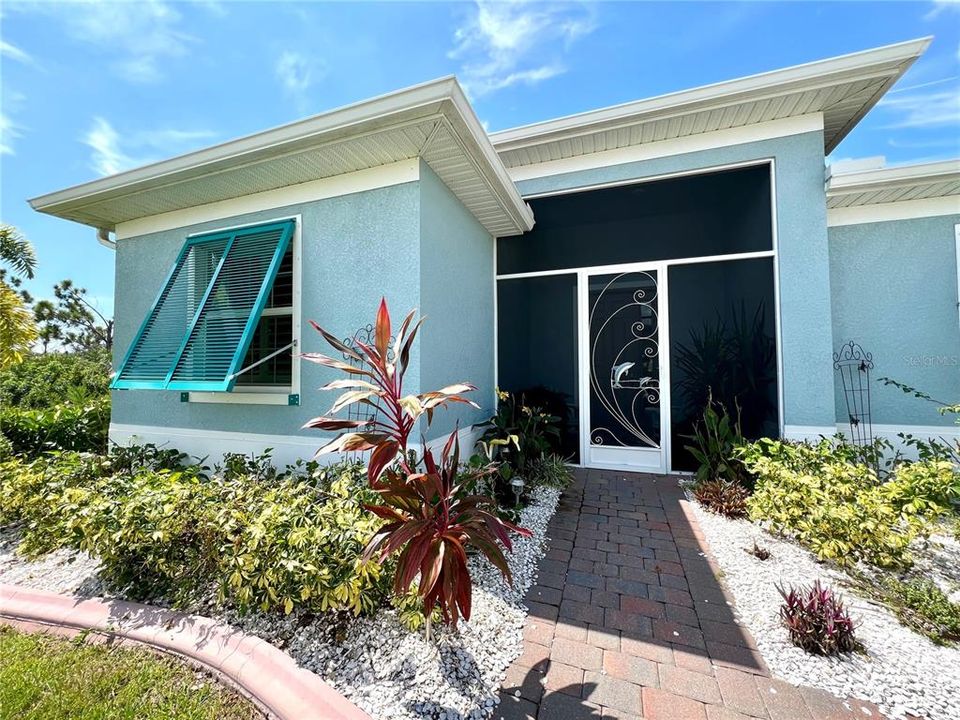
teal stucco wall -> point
(456, 290)
(804, 271)
(894, 291)
(413, 243)
(354, 248)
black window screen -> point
(716, 213)
(722, 341)
(537, 347)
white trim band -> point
(677, 146)
(886, 212)
(396, 173)
(287, 449)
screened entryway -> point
(628, 307)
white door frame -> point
(656, 462)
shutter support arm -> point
(272, 355)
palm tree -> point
(17, 328)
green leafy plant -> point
(716, 437)
(42, 381)
(290, 541)
(551, 470)
(722, 497)
(730, 362)
(841, 509)
(519, 436)
(817, 620)
(929, 448)
(918, 603)
(61, 427)
(431, 517)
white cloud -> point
(925, 109)
(941, 6)
(8, 133)
(295, 72)
(143, 35)
(510, 43)
(14, 53)
(113, 152)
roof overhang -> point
(433, 121)
(894, 184)
(843, 89)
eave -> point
(843, 89)
(433, 121)
(894, 184)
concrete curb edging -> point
(269, 676)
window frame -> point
(266, 394)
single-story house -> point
(627, 262)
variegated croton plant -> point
(431, 513)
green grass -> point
(44, 677)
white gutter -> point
(103, 237)
(798, 78)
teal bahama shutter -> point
(200, 326)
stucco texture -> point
(456, 296)
(803, 257)
(894, 289)
(355, 248)
(414, 244)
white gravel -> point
(378, 664)
(62, 571)
(901, 671)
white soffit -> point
(843, 89)
(433, 121)
(895, 184)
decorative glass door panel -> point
(624, 364)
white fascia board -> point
(676, 146)
(360, 181)
(892, 177)
(238, 151)
(811, 74)
(886, 212)
(491, 167)
(441, 99)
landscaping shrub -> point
(290, 546)
(165, 531)
(716, 437)
(841, 510)
(433, 516)
(551, 470)
(43, 381)
(518, 438)
(817, 620)
(723, 497)
(81, 427)
(6, 447)
(918, 603)
(928, 488)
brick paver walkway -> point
(628, 620)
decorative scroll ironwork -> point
(365, 335)
(616, 390)
(854, 365)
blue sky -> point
(93, 88)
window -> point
(271, 366)
(227, 305)
(711, 213)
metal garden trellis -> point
(854, 365)
(358, 411)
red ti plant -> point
(430, 512)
